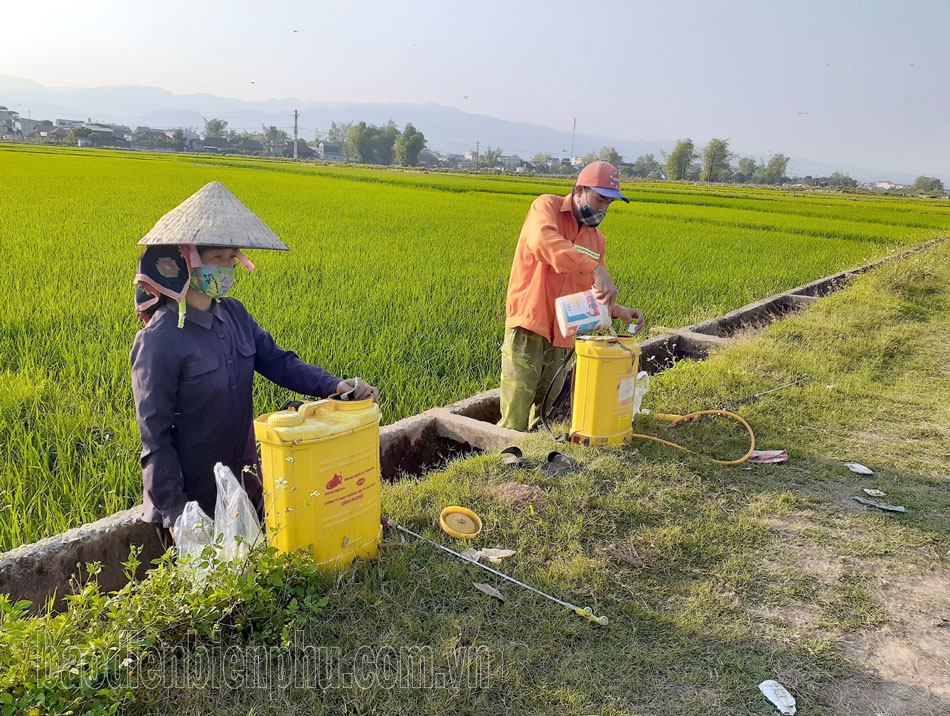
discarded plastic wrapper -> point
(858, 468)
(236, 516)
(779, 696)
(881, 505)
(489, 590)
(643, 385)
(768, 457)
(874, 493)
(493, 555)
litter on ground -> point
(768, 457)
(489, 590)
(492, 555)
(881, 505)
(779, 697)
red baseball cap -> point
(603, 178)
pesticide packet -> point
(779, 696)
(643, 385)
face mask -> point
(587, 215)
(215, 281)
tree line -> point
(363, 142)
(369, 144)
(714, 164)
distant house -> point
(100, 131)
(449, 161)
(145, 134)
(250, 145)
(190, 140)
(427, 159)
(26, 127)
(884, 184)
(69, 123)
(119, 131)
(58, 133)
(8, 120)
(304, 150)
(331, 152)
(215, 144)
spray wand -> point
(585, 612)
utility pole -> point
(573, 132)
(476, 157)
(295, 135)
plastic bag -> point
(194, 531)
(643, 385)
(236, 517)
(779, 696)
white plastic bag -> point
(779, 696)
(194, 531)
(643, 385)
(236, 516)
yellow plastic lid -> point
(460, 522)
(285, 419)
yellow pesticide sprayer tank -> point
(322, 479)
(605, 381)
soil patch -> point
(518, 494)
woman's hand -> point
(361, 389)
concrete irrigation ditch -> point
(412, 445)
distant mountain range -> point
(446, 129)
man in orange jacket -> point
(560, 252)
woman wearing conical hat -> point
(194, 361)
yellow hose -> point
(675, 419)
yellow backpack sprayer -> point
(605, 382)
(322, 479)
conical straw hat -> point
(213, 216)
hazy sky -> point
(860, 82)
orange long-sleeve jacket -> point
(554, 257)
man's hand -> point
(604, 289)
(362, 390)
(629, 316)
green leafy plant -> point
(81, 659)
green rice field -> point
(398, 277)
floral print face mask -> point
(214, 281)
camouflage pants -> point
(528, 363)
